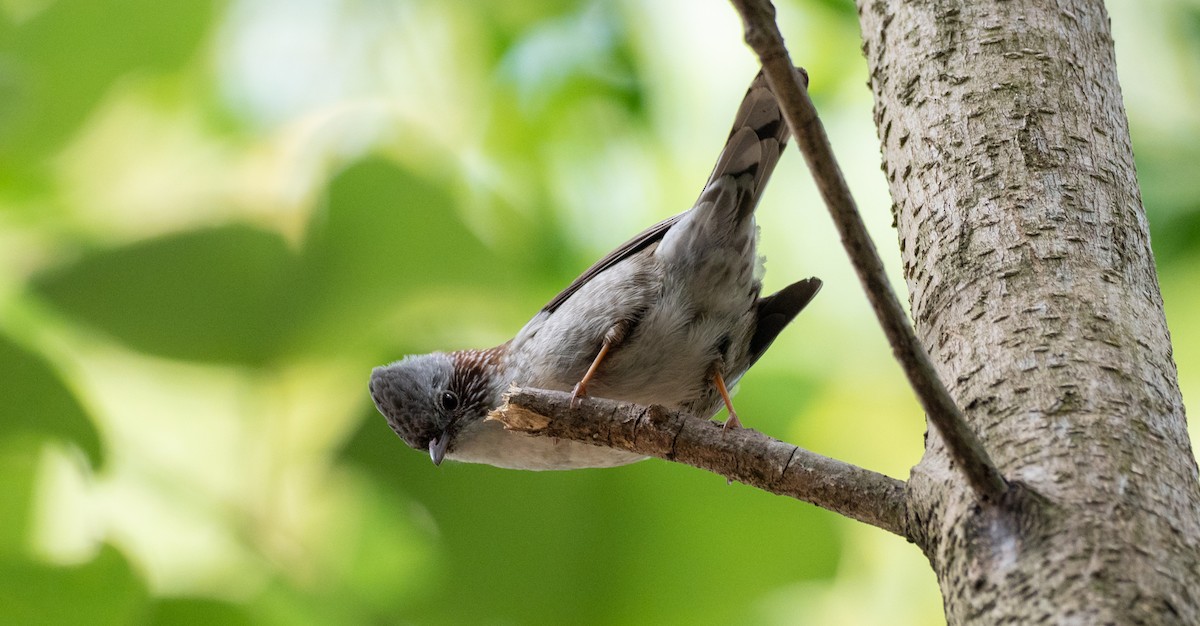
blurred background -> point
(217, 216)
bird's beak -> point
(437, 447)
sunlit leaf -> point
(56, 66)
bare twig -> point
(762, 34)
(743, 455)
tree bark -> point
(963, 447)
(1032, 286)
(740, 454)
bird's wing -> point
(643, 239)
(777, 310)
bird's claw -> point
(580, 391)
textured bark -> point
(740, 454)
(964, 448)
(1032, 286)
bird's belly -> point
(682, 326)
(488, 442)
(670, 358)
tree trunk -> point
(1032, 286)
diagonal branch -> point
(762, 34)
(743, 455)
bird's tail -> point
(758, 137)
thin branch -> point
(740, 454)
(762, 34)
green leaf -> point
(104, 591)
(226, 294)
(198, 612)
(41, 404)
(384, 235)
(56, 66)
(18, 486)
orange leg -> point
(733, 421)
(614, 336)
(580, 389)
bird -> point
(673, 317)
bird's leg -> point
(719, 381)
(614, 336)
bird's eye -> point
(449, 401)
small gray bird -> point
(673, 317)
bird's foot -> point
(579, 392)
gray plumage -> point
(676, 304)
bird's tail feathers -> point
(756, 141)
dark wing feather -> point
(777, 311)
(629, 248)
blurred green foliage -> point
(216, 217)
(62, 57)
